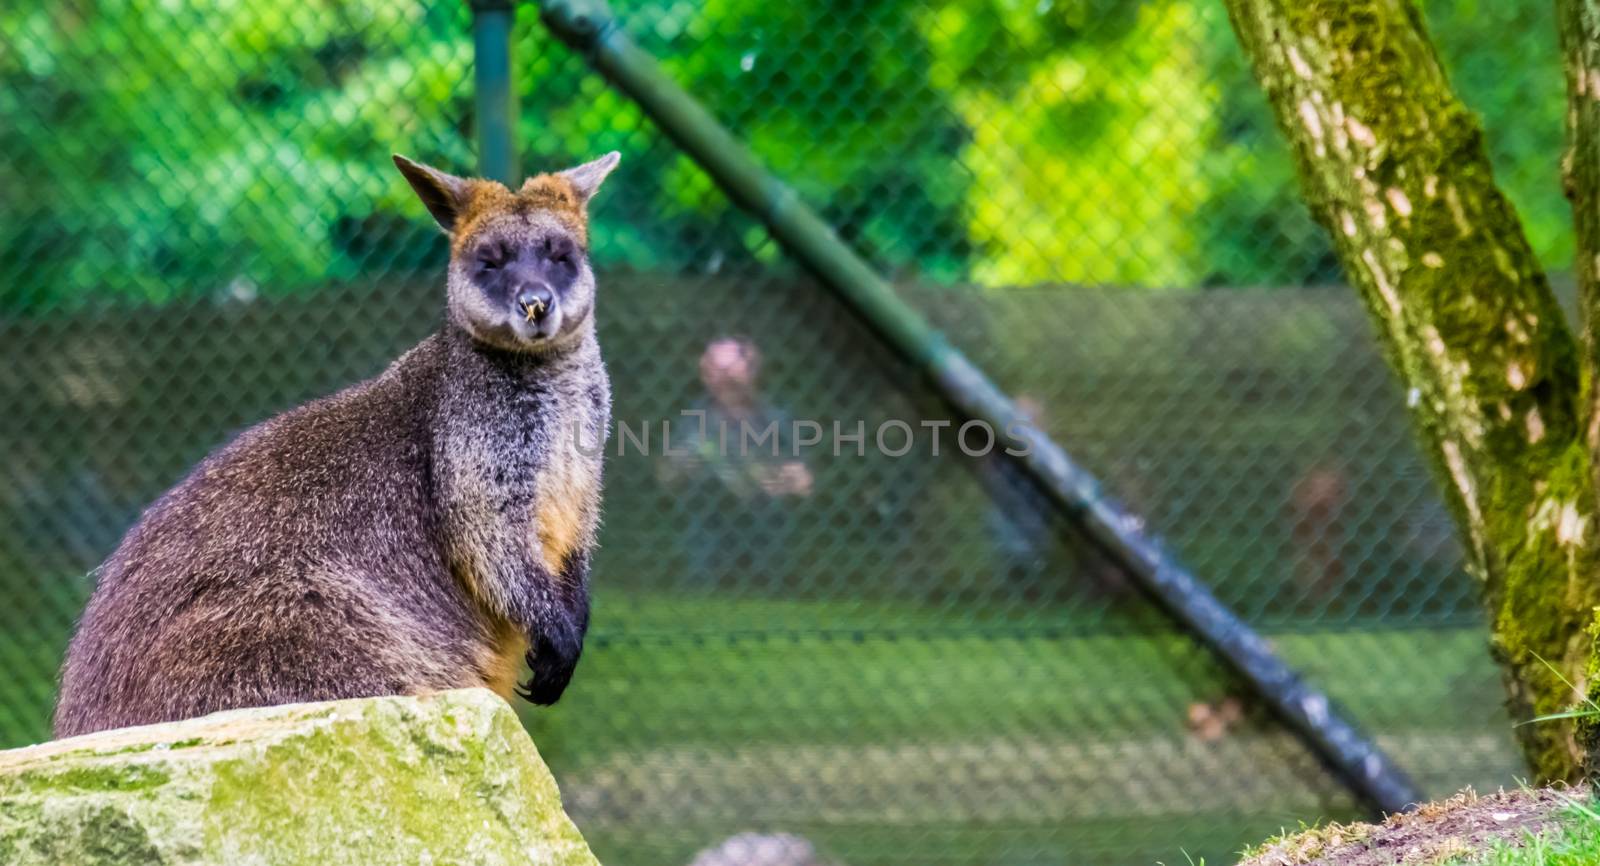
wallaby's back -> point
(301, 562)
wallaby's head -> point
(519, 260)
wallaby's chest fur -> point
(501, 465)
(510, 431)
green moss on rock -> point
(450, 778)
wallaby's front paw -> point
(552, 663)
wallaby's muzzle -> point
(535, 302)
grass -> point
(721, 676)
(1506, 828)
(691, 720)
(1574, 842)
(892, 733)
(1311, 840)
(1142, 842)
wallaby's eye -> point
(559, 251)
(492, 257)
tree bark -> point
(1393, 166)
(1579, 21)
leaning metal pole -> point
(492, 82)
(590, 29)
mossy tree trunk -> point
(1580, 170)
(1393, 166)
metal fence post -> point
(495, 95)
(590, 29)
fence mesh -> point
(853, 659)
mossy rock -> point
(450, 778)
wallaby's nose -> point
(534, 302)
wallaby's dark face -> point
(519, 274)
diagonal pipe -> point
(589, 28)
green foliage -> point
(160, 150)
(826, 94)
(1077, 118)
(163, 150)
(1503, 60)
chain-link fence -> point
(852, 659)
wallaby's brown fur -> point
(423, 530)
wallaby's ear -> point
(586, 178)
(442, 194)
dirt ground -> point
(1434, 833)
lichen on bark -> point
(1579, 22)
(1393, 166)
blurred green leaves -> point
(157, 150)
(1077, 152)
(164, 149)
